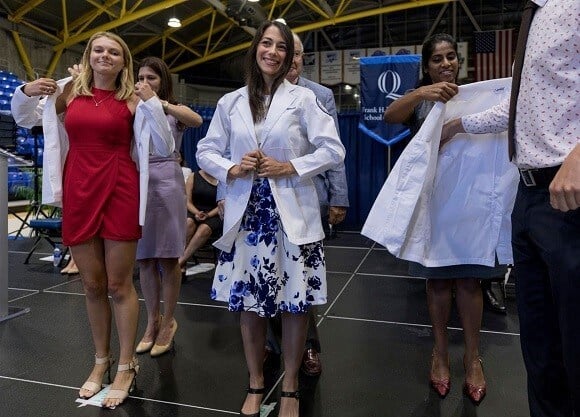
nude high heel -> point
(143, 347)
(158, 350)
(95, 387)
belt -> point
(538, 177)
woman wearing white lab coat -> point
(259, 144)
(80, 128)
(445, 265)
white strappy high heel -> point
(95, 387)
(119, 394)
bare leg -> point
(150, 280)
(439, 299)
(253, 329)
(190, 231)
(120, 261)
(171, 284)
(470, 307)
(71, 267)
(202, 234)
(190, 228)
(293, 338)
(91, 262)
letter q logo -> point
(389, 82)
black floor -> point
(375, 336)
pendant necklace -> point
(103, 99)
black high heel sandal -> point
(291, 394)
(256, 391)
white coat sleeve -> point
(27, 111)
(212, 149)
(321, 131)
(162, 142)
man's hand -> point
(40, 87)
(565, 187)
(336, 215)
(450, 129)
(220, 207)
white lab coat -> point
(295, 121)
(152, 135)
(450, 207)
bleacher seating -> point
(17, 178)
(206, 112)
(20, 142)
(8, 83)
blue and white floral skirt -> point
(264, 272)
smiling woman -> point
(272, 259)
(440, 68)
(99, 188)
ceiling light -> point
(174, 22)
(253, 1)
(280, 20)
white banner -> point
(311, 66)
(379, 51)
(400, 50)
(462, 52)
(331, 67)
(351, 57)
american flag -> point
(493, 54)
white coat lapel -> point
(246, 114)
(282, 99)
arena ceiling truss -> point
(210, 29)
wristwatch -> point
(165, 106)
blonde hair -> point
(125, 83)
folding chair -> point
(49, 229)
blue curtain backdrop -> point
(366, 165)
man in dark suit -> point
(332, 192)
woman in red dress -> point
(100, 195)
(101, 203)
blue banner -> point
(384, 79)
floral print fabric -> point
(264, 272)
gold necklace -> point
(103, 99)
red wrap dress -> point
(100, 181)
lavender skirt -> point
(165, 219)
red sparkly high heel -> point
(475, 393)
(441, 386)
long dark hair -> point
(160, 68)
(427, 52)
(254, 77)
